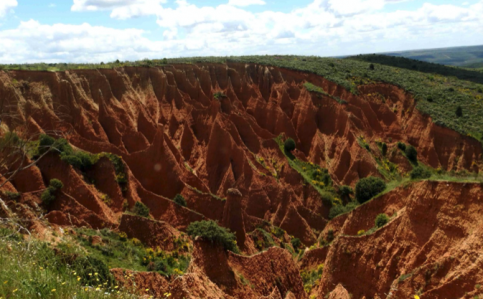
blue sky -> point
(105, 30)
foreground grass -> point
(32, 269)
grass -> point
(116, 251)
(311, 278)
(34, 270)
(319, 90)
(313, 174)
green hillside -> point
(458, 56)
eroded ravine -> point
(200, 130)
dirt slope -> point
(203, 130)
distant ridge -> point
(471, 57)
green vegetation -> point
(311, 278)
(116, 251)
(319, 90)
(35, 270)
(262, 239)
(369, 187)
(341, 209)
(140, 209)
(77, 267)
(219, 95)
(421, 66)
(78, 159)
(12, 195)
(381, 220)
(420, 172)
(289, 145)
(296, 244)
(179, 199)
(211, 231)
(49, 194)
(354, 71)
(313, 174)
(411, 154)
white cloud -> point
(246, 2)
(120, 9)
(6, 5)
(321, 28)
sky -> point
(106, 30)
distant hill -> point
(423, 66)
(460, 56)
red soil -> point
(176, 138)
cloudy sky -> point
(106, 30)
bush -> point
(384, 148)
(420, 173)
(340, 209)
(140, 209)
(330, 235)
(411, 153)
(401, 146)
(56, 184)
(345, 191)
(289, 145)
(296, 243)
(381, 220)
(327, 199)
(179, 199)
(371, 67)
(459, 111)
(369, 187)
(211, 231)
(93, 271)
(49, 194)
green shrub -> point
(12, 195)
(401, 146)
(289, 145)
(211, 231)
(56, 184)
(296, 243)
(49, 194)
(381, 220)
(345, 191)
(340, 209)
(369, 187)
(93, 271)
(179, 199)
(384, 149)
(140, 209)
(327, 199)
(420, 173)
(219, 95)
(411, 153)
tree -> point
(179, 199)
(459, 111)
(140, 209)
(209, 230)
(369, 187)
(289, 145)
(411, 153)
(381, 220)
